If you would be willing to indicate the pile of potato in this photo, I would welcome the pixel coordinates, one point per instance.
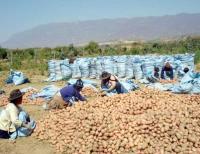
(167, 81)
(27, 96)
(144, 121)
(26, 99)
(89, 92)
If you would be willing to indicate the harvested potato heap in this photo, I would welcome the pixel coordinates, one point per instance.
(145, 121)
(167, 81)
(26, 99)
(89, 92)
(36, 101)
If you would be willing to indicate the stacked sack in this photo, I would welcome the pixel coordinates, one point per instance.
(129, 68)
(137, 68)
(92, 68)
(132, 66)
(99, 67)
(76, 73)
(108, 63)
(115, 65)
(121, 66)
(84, 64)
(59, 70)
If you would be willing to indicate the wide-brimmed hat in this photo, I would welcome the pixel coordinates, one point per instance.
(15, 94)
(105, 75)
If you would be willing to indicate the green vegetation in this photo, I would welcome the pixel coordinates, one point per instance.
(36, 58)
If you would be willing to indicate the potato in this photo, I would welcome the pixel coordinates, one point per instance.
(143, 121)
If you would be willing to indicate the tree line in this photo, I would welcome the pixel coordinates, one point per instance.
(38, 57)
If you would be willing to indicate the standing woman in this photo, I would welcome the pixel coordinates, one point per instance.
(9, 118)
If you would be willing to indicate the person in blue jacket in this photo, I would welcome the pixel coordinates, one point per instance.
(167, 72)
(71, 93)
(67, 96)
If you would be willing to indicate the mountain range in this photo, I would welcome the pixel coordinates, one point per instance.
(106, 30)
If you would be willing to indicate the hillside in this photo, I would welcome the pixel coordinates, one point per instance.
(105, 30)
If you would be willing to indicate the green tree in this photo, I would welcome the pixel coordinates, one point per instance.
(92, 48)
(3, 53)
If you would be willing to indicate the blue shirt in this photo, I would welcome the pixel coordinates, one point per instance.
(69, 91)
(168, 71)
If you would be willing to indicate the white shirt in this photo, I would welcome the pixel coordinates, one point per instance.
(9, 118)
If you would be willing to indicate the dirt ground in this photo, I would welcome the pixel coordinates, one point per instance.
(30, 144)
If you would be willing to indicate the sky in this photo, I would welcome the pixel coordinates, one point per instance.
(21, 15)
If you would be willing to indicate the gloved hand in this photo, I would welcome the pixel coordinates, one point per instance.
(70, 102)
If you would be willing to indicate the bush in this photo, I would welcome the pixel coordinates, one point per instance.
(197, 57)
(3, 53)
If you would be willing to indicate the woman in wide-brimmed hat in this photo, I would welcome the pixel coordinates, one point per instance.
(110, 83)
(9, 118)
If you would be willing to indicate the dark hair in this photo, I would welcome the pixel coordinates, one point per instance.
(79, 84)
(15, 101)
(105, 75)
(186, 69)
(156, 69)
(71, 60)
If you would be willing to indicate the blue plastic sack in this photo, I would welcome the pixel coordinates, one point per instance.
(47, 92)
(196, 86)
(76, 73)
(17, 78)
(137, 71)
(129, 68)
(161, 87)
(84, 64)
(59, 70)
(188, 77)
(183, 88)
(92, 68)
(129, 85)
(121, 66)
(66, 71)
(99, 67)
(148, 68)
(85, 82)
(190, 83)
